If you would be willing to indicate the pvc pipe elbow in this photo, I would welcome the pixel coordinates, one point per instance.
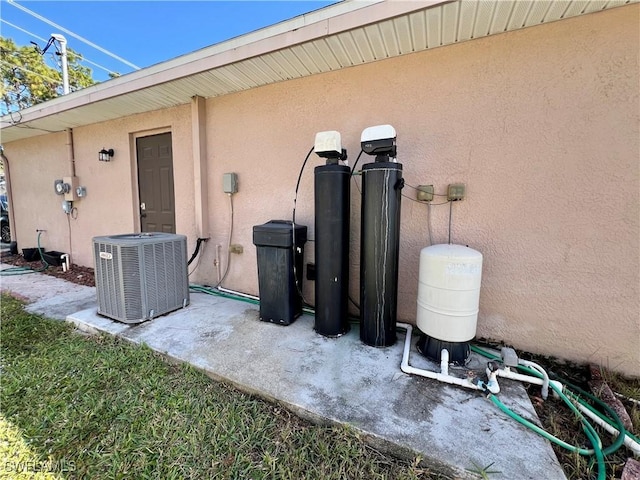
(65, 262)
(492, 385)
(408, 369)
(545, 376)
(555, 388)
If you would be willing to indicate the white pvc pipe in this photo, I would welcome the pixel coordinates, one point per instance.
(444, 376)
(506, 373)
(65, 262)
(444, 361)
(545, 376)
(629, 442)
(628, 399)
(406, 368)
(64, 60)
(239, 294)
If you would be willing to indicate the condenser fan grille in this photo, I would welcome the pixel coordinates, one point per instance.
(140, 276)
(132, 282)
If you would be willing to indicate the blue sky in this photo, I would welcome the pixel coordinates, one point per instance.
(143, 32)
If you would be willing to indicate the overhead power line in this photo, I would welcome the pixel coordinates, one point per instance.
(30, 71)
(22, 30)
(82, 57)
(94, 64)
(69, 32)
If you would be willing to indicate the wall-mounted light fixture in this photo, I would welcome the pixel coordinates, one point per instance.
(105, 155)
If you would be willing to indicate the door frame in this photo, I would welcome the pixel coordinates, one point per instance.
(135, 185)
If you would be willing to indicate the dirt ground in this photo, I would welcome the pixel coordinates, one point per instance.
(77, 274)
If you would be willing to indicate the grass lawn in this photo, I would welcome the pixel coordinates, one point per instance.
(74, 406)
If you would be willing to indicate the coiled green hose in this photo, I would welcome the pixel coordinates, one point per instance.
(569, 397)
(25, 270)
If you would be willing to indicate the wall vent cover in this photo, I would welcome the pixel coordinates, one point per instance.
(140, 276)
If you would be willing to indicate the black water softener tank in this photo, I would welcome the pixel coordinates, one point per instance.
(332, 198)
(380, 243)
(280, 250)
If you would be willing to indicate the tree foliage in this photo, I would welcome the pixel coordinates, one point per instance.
(27, 79)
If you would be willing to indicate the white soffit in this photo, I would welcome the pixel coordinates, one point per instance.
(340, 36)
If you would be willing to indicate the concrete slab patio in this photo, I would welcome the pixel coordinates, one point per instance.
(326, 380)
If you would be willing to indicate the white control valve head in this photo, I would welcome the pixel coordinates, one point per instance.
(379, 140)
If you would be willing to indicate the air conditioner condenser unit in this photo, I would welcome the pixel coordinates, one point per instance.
(140, 276)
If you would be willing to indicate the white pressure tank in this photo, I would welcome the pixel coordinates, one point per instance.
(449, 292)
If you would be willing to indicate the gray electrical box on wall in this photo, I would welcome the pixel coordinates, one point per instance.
(230, 182)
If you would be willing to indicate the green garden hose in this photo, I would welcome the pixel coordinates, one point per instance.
(569, 397)
(213, 291)
(25, 270)
(253, 301)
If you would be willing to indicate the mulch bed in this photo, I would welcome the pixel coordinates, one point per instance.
(76, 274)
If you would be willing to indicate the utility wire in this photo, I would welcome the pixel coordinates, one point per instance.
(17, 55)
(17, 125)
(81, 57)
(424, 203)
(30, 71)
(11, 113)
(416, 188)
(23, 30)
(74, 35)
(293, 228)
(41, 51)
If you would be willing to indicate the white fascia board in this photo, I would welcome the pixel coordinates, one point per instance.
(331, 20)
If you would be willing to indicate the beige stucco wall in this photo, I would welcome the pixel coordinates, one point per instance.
(542, 127)
(35, 164)
(540, 124)
(110, 206)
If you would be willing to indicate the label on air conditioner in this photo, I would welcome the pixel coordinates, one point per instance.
(106, 255)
